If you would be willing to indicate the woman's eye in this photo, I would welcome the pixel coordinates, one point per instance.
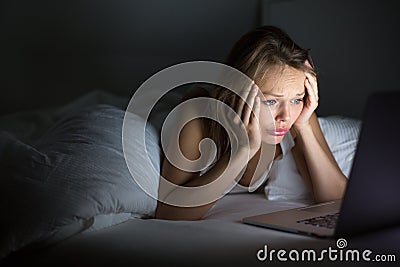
(297, 101)
(269, 102)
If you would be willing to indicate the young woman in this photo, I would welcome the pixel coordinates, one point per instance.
(284, 87)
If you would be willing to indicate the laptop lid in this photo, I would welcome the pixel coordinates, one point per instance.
(372, 196)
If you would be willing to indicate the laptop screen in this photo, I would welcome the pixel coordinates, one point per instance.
(373, 190)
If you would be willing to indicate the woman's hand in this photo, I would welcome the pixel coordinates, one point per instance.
(247, 119)
(310, 103)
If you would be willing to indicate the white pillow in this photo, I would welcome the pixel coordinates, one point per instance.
(75, 172)
(341, 134)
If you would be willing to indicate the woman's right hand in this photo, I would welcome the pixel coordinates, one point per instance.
(247, 119)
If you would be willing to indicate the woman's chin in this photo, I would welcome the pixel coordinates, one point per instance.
(272, 139)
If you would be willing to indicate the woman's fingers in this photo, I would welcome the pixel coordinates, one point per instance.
(243, 95)
(311, 84)
(256, 109)
(312, 99)
(248, 107)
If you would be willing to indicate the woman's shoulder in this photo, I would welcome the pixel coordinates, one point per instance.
(190, 137)
(198, 124)
(195, 128)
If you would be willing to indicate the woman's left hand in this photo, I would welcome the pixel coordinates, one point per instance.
(310, 102)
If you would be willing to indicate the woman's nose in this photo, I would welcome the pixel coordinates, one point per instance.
(283, 113)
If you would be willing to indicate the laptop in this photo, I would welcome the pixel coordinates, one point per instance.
(372, 194)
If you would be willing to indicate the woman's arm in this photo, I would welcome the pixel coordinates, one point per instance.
(220, 170)
(322, 172)
(221, 175)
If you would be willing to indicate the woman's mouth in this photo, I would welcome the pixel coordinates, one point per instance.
(279, 131)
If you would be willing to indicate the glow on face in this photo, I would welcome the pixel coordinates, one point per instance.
(281, 102)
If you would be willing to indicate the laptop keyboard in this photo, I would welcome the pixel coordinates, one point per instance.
(327, 221)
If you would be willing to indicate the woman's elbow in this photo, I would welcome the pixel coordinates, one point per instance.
(168, 212)
(335, 193)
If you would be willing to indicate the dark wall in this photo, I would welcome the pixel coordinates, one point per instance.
(355, 45)
(54, 51)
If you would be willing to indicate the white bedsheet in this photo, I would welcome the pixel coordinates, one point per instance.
(220, 238)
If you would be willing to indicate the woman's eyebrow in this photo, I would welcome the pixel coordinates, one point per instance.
(277, 95)
(300, 94)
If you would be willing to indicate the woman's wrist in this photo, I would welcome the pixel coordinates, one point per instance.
(246, 152)
(303, 129)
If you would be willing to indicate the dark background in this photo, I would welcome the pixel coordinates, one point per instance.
(54, 51)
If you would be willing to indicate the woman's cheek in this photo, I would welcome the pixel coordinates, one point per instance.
(298, 110)
(267, 114)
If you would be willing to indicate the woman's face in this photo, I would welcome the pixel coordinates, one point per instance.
(281, 102)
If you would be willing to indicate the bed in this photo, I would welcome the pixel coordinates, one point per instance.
(68, 198)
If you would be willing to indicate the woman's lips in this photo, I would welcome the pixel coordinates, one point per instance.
(279, 131)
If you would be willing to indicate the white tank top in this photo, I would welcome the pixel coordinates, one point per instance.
(284, 181)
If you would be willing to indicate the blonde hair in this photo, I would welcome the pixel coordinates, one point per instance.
(253, 54)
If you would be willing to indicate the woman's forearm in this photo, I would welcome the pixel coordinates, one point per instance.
(327, 180)
(221, 175)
